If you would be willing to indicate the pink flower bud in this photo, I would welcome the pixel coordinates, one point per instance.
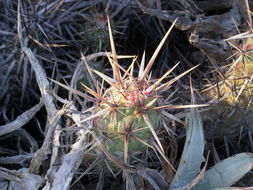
(149, 90)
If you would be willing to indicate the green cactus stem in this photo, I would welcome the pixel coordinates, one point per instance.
(128, 113)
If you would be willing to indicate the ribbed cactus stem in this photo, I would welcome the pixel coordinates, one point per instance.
(128, 113)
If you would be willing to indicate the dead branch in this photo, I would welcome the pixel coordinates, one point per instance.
(61, 179)
(39, 71)
(45, 150)
(21, 120)
(186, 19)
(53, 115)
(20, 179)
(19, 159)
(217, 51)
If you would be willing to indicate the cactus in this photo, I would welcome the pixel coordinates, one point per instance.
(129, 111)
(235, 91)
(95, 33)
(238, 86)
